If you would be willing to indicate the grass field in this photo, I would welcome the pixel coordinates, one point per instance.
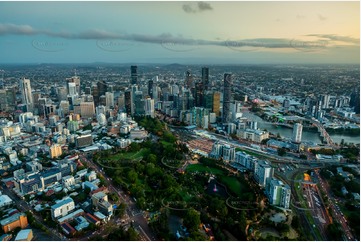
(128, 155)
(202, 168)
(233, 184)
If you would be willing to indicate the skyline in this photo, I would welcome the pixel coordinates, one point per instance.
(180, 32)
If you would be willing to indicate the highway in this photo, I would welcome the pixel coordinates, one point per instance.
(340, 218)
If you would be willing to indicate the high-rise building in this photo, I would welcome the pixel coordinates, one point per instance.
(279, 194)
(189, 80)
(75, 80)
(205, 78)
(109, 99)
(228, 153)
(226, 112)
(26, 94)
(7, 99)
(133, 75)
(149, 107)
(264, 172)
(55, 151)
(62, 93)
(87, 109)
(128, 102)
(101, 90)
(198, 97)
(138, 103)
(216, 103)
(150, 88)
(297, 133)
(355, 100)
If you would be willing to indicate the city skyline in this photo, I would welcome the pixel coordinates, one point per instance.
(180, 32)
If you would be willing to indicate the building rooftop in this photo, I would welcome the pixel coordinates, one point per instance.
(62, 203)
(23, 234)
(5, 199)
(11, 219)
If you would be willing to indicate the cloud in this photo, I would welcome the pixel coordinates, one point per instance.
(320, 17)
(300, 16)
(200, 7)
(333, 37)
(203, 6)
(322, 40)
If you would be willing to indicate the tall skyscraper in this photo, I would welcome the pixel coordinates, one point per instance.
(297, 133)
(128, 102)
(138, 103)
(198, 97)
(133, 75)
(216, 103)
(205, 78)
(226, 112)
(109, 99)
(150, 88)
(76, 84)
(149, 107)
(26, 95)
(189, 80)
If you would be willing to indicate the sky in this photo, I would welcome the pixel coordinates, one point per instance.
(180, 32)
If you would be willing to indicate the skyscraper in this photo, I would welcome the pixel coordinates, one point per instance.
(227, 98)
(150, 88)
(149, 107)
(216, 103)
(26, 95)
(189, 80)
(205, 78)
(133, 75)
(198, 94)
(297, 133)
(128, 102)
(76, 84)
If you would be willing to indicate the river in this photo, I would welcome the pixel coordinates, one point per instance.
(306, 135)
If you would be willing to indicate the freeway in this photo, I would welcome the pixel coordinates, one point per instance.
(335, 209)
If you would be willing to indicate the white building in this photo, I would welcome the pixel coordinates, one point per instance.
(62, 208)
(297, 133)
(252, 135)
(228, 153)
(26, 94)
(149, 107)
(279, 194)
(263, 172)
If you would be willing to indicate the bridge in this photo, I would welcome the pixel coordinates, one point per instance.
(323, 133)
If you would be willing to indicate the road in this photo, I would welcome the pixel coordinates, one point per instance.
(24, 207)
(133, 214)
(335, 209)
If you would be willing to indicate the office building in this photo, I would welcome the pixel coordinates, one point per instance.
(205, 78)
(109, 99)
(189, 80)
(297, 133)
(133, 75)
(55, 151)
(149, 107)
(87, 109)
(83, 141)
(226, 112)
(128, 102)
(26, 94)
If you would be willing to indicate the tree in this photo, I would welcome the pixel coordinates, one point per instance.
(281, 151)
(192, 220)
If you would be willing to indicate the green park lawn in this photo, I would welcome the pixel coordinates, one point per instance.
(128, 155)
(202, 168)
